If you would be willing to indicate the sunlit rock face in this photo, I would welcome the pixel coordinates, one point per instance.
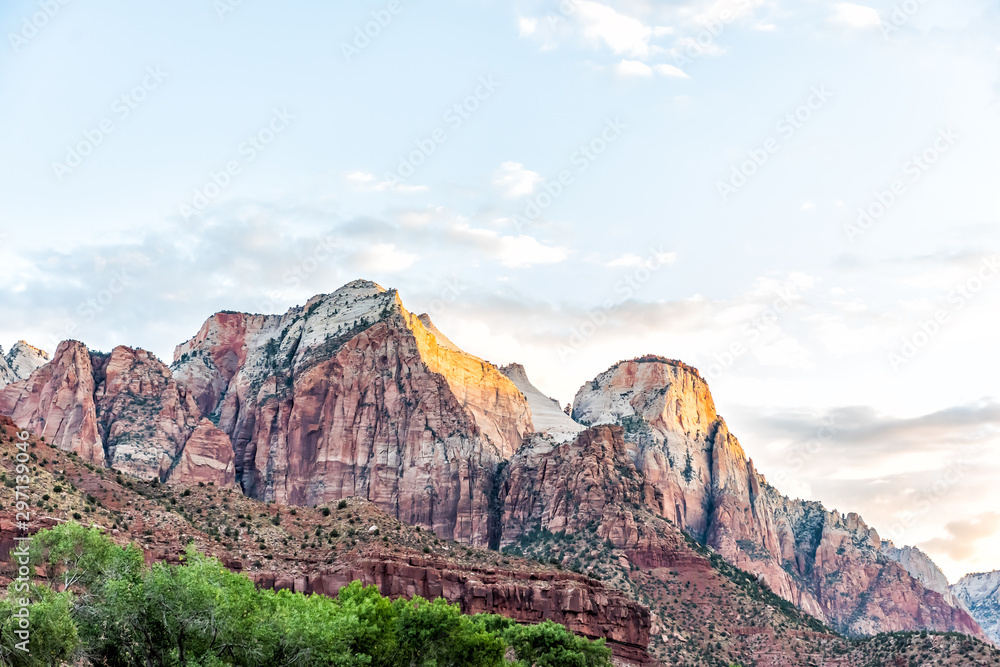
(695, 473)
(352, 395)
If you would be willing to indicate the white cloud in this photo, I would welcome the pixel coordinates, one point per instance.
(384, 257)
(527, 26)
(636, 68)
(513, 252)
(633, 68)
(516, 181)
(670, 70)
(622, 34)
(849, 15)
(366, 182)
(633, 260)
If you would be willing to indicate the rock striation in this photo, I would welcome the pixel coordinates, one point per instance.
(695, 474)
(20, 362)
(352, 395)
(981, 594)
(581, 604)
(123, 410)
(546, 415)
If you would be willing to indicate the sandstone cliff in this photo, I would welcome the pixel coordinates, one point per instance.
(981, 594)
(695, 473)
(123, 410)
(351, 395)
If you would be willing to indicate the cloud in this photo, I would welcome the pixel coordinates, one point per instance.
(850, 15)
(366, 182)
(963, 535)
(634, 261)
(513, 252)
(622, 34)
(633, 68)
(516, 181)
(628, 68)
(384, 258)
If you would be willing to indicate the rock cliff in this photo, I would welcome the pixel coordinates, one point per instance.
(20, 362)
(123, 410)
(981, 594)
(695, 474)
(351, 395)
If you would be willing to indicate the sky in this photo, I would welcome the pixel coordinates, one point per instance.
(796, 196)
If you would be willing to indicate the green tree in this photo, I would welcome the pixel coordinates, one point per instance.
(53, 633)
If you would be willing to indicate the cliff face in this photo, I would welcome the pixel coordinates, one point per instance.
(923, 569)
(581, 604)
(123, 410)
(981, 594)
(351, 395)
(696, 475)
(57, 402)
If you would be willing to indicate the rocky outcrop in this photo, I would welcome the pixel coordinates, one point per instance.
(123, 410)
(696, 474)
(351, 395)
(56, 402)
(546, 415)
(923, 569)
(981, 594)
(581, 604)
(20, 362)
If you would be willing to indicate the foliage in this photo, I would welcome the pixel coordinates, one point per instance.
(107, 608)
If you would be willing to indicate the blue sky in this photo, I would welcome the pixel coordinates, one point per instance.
(714, 157)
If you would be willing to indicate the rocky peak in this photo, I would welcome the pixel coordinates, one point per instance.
(546, 415)
(697, 476)
(922, 568)
(20, 362)
(668, 395)
(980, 592)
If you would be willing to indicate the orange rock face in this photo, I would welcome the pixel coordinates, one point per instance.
(351, 395)
(694, 472)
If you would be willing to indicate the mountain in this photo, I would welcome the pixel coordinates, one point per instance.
(353, 396)
(350, 396)
(20, 362)
(981, 594)
(706, 612)
(124, 410)
(699, 478)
